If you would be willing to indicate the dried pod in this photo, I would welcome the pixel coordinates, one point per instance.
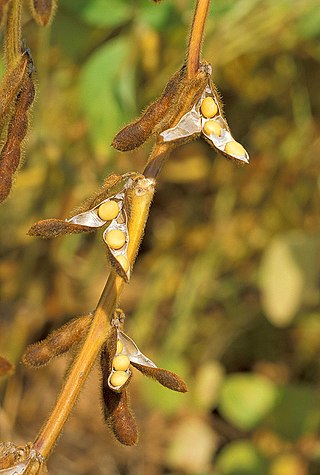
(116, 406)
(10, 85)
(6, 368)
(57, 343)
(17, 129)
(167, 378)
(43, 11)
(206, 116)
(135, 134)
(119, 417)
(24, 460)
(51, 228)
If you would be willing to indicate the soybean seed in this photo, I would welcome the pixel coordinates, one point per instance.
(119, 346)
(212, 127)
(115, 238)
(235, 148)
(123, 261)
(118, 378)
(208, 107)
(120, 363)
(108, 210)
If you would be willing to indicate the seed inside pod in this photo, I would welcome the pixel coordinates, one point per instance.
(208, 107)
(235, 148)
(121, 363)
(115, 238)
(118, 378)
(119, 346)
(212, 127)
(108, 210)
(123, 261)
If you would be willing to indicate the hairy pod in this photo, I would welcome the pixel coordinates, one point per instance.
(43, 11)
(135, 134)
(116, 406)
(57, 343)
(17, 130)
(10, 85)
(24, 460)
(167, 378)
(51, 228)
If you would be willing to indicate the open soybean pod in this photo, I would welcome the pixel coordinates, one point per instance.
(116, 405)
(206, 116)
(88, 217)
(215, 127)
(123, 245)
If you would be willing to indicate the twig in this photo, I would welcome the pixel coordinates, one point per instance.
(196, 36)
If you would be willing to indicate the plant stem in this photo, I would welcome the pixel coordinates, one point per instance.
(12, 47)
(196, 36)
(100, 326)
(51, 430)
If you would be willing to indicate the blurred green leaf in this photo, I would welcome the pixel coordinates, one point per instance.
(246, 399)
(207, 385)
(157, 16)
(240, 458)
(192, 446)
(288, 276)
(101, 13)
(103, 92)
(297, 413)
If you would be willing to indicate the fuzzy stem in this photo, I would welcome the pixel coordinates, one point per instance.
(12, 47)
(100, 326)
(196, 36)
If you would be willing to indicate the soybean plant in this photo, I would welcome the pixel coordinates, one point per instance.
(188, 108)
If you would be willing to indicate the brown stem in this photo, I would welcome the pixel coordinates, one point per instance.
(46, 439)
(12, 45)
(196, 36)
(51, 430)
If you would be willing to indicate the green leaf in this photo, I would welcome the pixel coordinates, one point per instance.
(288, 276)
(103, 94)
(101, 13)
(241, 458)
(297, 412)
(246, 399)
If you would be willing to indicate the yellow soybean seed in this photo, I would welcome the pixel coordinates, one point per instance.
(212, 127)
(123, 261)
(108, 210)
(118, 378)
(208, 107)
(235, 148)
(115, 238)
(120, 363)
(119, 346)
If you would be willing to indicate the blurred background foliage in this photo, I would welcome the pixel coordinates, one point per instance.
(226, 287)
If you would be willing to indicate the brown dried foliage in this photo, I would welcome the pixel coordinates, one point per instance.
(167, 378)
(178, 97)
(43, 11)
(135, 134)
(51, 228)
(17, 129)
(57, 343)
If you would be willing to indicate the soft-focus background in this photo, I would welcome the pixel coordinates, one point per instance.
(226, 288)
